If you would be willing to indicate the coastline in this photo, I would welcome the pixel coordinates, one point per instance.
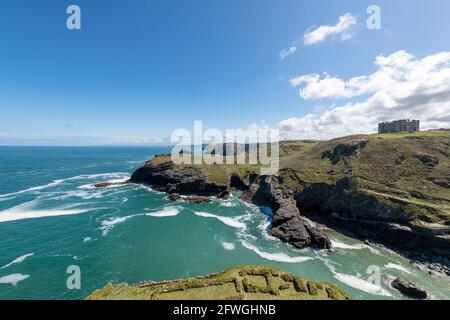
(294, 222)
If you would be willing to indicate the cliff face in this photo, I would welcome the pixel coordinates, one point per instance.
(163, 175)
(392, 188)
(287, 223)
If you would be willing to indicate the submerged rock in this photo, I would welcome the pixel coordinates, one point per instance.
(110, 184)
(193, 199)
(409, 289)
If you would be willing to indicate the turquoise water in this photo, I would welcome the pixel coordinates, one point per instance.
(52, 218)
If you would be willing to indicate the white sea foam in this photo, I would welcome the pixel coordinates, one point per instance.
(227, 204)
(361, 284)
(32, 189)
(227, 245)
(7, 198)
(263, 227)
(281, 257)
(340, 245)
(13, 279)
(54, 183)
(145, 187)
(18, 260)
(108, 225)
(343, 246)
(396, 267)
(88, 186)
(26, 211)
(87, 239)
(110, 175)
(354, 281)
(166, 212)
(232, 222)
(81, 194)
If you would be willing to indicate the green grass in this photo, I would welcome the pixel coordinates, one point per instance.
(398, 135)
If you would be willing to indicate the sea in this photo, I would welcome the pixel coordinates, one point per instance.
(54, 226)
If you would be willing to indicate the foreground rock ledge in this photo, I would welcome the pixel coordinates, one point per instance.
(235, 283)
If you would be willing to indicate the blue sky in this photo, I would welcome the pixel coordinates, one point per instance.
(139, 69)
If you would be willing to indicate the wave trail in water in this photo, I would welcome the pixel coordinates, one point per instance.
(232, 222)
(13, 279)
(108, 225)
(26, 211)
(280, 257)
(396, 267)
(18, 260)
(115, 175)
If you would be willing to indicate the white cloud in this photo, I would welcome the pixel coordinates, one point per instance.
(318, 34)
(401, 87)
(287, 52)
(344, 27)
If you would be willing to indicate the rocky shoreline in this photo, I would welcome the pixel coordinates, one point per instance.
(302, 230)
(287, 223)
(392, 191)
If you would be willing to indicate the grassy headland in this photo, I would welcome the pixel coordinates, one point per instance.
(236, 283)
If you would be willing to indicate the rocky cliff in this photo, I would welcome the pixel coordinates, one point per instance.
(287, 223)
(391, 188)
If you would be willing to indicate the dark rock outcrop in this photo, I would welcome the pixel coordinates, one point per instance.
(427, 159)
(110, 184)
(409, 289)
(287, 223)
(164, 176)
(362, 215)
(343, 150)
